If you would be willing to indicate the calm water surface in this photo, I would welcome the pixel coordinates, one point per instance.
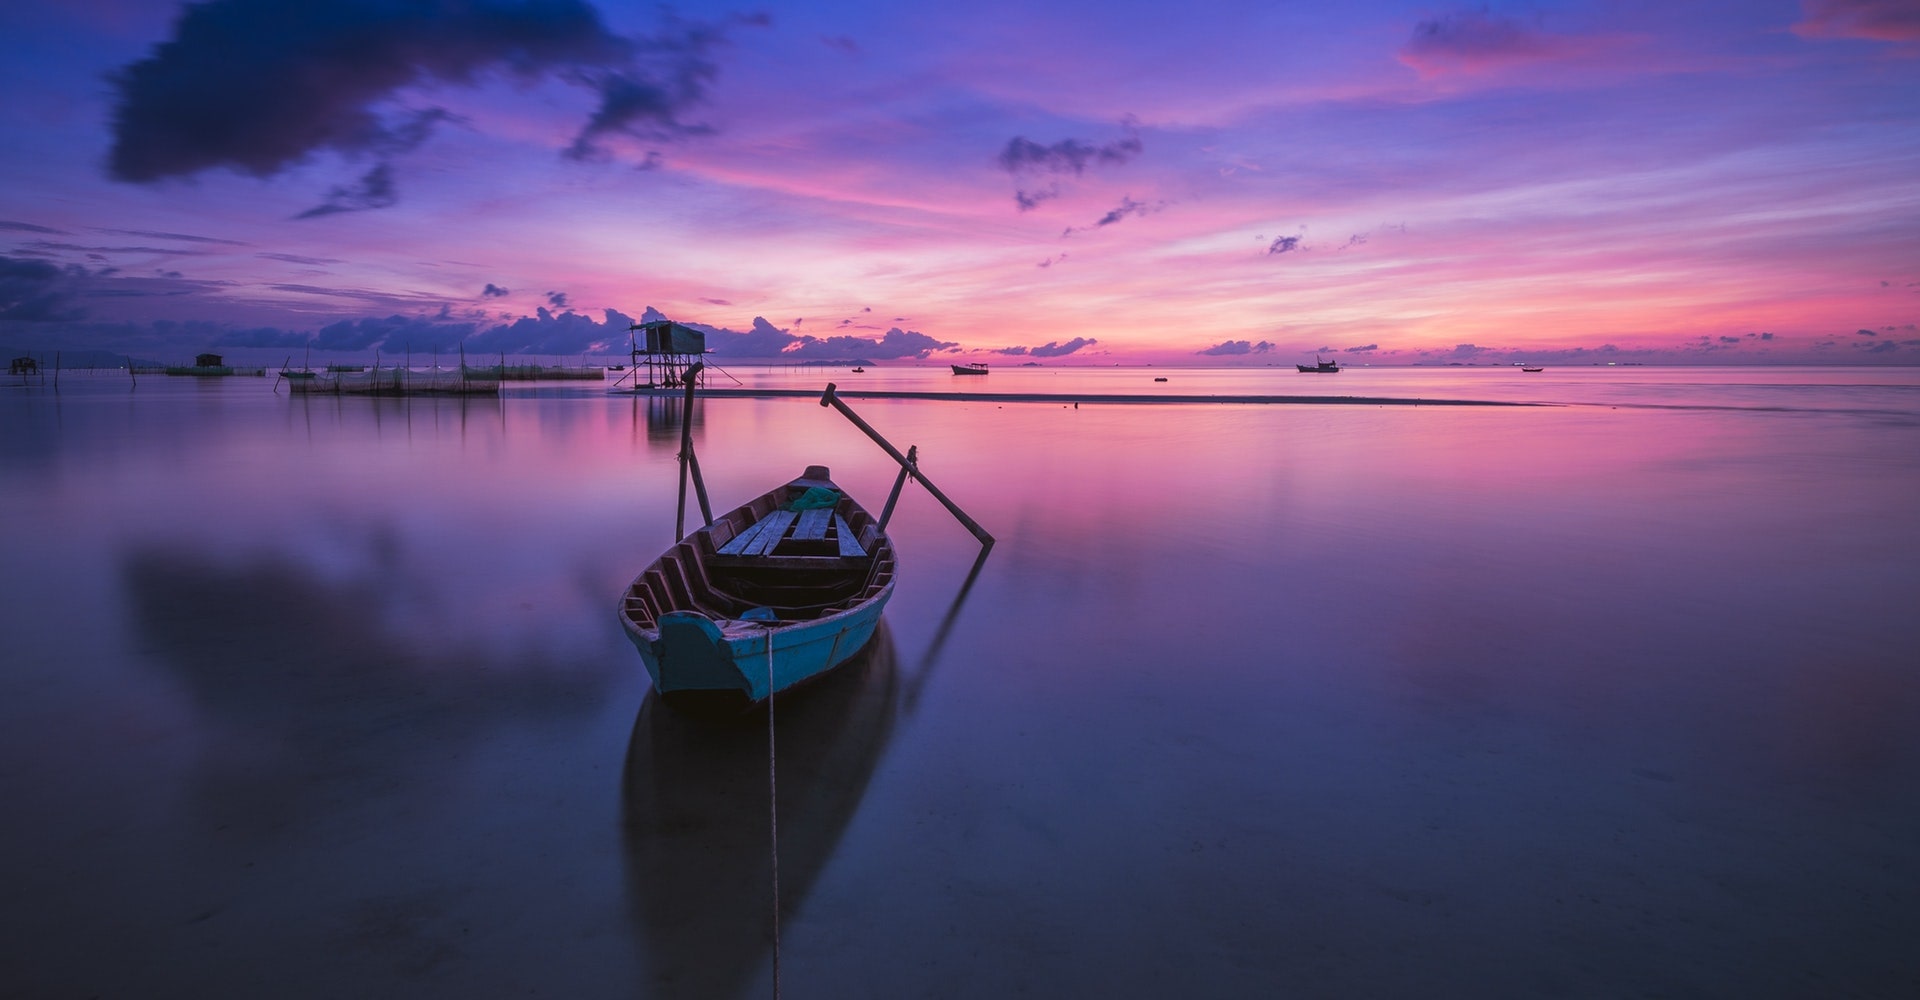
(325, 697)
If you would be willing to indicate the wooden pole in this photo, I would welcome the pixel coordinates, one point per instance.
(899, 483)
(909, 465)
(688, 461)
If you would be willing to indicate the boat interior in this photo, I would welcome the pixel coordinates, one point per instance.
(766, 562)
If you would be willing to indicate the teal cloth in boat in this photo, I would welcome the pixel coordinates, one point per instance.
(815, 498)
(758, 615)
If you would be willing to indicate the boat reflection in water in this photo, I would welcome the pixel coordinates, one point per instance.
(699, 827)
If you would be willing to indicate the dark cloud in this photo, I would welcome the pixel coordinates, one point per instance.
(1865, 333)
(1882, 347)
(257, 86)
(645, 99)
(374, 189)
(717, 302)
(1362, 349)
(1024, 157)
(558, 300)
(1228, 348)
(28, 227)
(895, 344)
(1284, 244)
(762, 340)
(1877, 20)
(1729, 340)
(1069, 156)
(1126, 207)
(390, 334)
(493, 291)
(1029, 200)
(547, 332)
(765, 340)
(35, 291)
(1053, 349)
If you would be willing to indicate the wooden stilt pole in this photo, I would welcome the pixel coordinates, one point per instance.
(688, 461)
(907, 465)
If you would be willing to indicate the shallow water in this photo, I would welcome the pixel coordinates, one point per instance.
(320, 696)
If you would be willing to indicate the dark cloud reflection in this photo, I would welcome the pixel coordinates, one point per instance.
(311, 702)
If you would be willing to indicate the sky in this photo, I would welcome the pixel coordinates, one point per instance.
(1067, 183)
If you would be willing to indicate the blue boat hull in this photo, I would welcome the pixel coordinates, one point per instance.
(719, 619)
(695, 653)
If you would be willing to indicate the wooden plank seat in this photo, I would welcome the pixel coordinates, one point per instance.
(762, 536)
(850, 547)
(812, 524)
(821, 536)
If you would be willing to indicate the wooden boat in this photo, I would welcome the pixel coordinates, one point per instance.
(978, 368)
(858, 370)
(1524, 369)
(1319, 366)
(763, 598)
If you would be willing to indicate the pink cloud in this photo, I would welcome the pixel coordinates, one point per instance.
(1879, 20)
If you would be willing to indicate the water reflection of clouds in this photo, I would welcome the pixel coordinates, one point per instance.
(311, 698)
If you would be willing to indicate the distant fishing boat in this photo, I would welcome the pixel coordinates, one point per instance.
(1525, 369)
(1320, 366)
(977, 368)
(858, 370)
(777, 591)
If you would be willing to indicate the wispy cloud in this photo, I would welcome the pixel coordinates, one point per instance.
(294, 258)
(1477, 41)
(1876, 20)
(182, 237)
(373, 190)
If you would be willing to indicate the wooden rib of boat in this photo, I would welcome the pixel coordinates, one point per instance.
(973, 369)
(763, 598)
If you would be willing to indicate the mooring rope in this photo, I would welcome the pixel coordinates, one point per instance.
(773, 807)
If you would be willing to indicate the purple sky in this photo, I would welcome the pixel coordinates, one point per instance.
(1074, 183)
